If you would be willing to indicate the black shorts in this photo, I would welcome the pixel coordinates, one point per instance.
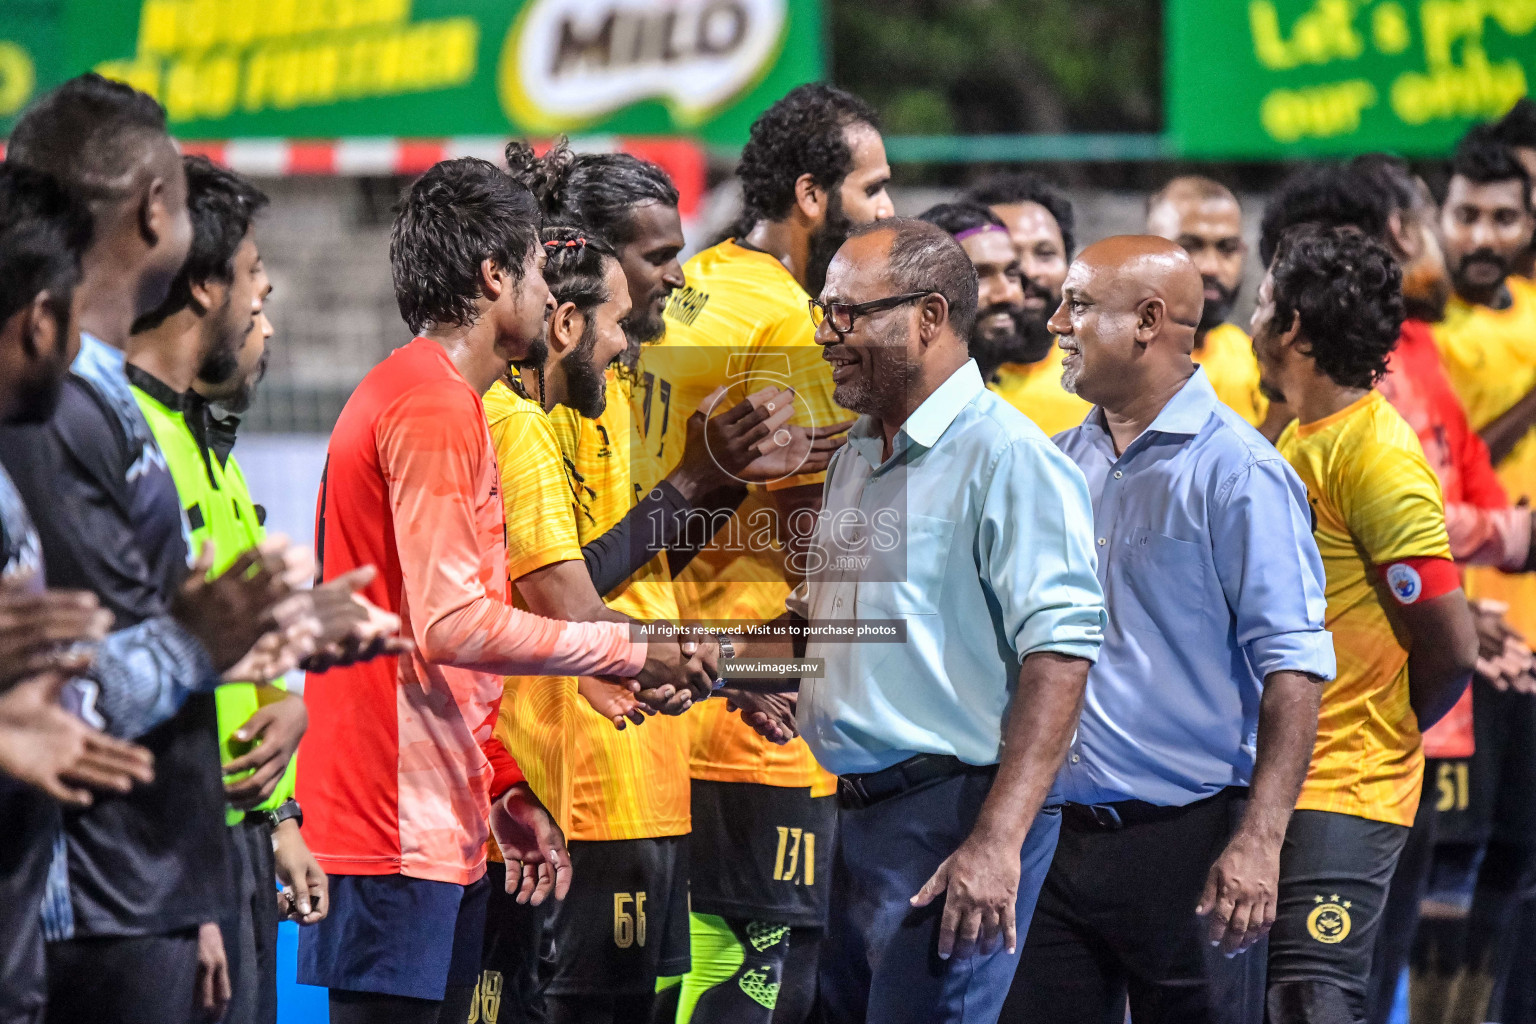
(509, 988)
(125, 979)
(762, 852)
(1334, 874)
(625, 921)
(32, 820)
(1492, 794)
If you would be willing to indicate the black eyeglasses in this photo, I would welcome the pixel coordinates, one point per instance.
(843, 314)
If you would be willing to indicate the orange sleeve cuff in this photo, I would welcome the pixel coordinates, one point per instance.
(504, 770)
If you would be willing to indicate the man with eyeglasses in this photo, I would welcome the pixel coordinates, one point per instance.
(951, 515)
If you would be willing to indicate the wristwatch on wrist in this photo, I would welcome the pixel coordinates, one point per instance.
(288, 810)
(727, 651)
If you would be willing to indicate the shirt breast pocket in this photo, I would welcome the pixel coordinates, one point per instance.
(1167, 582)
(909, 578)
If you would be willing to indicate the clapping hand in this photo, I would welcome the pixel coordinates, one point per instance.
(1503, 657)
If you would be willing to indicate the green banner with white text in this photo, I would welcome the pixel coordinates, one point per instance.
(230, 69)
(1282, 78)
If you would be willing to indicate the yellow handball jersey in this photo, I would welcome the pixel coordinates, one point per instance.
(1490, 357)
(1229, 362)
(1035, 390)
(537, 712)
(631, 784)
(1375, 501)
(742, 322)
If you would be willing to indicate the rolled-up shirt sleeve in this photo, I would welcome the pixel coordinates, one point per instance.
(1270, 570)
(1036, 552)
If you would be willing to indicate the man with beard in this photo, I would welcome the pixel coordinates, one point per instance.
(136, 876)
(1039, 220)
(1487, 341)
(946, 744)
(1329, 313)
(1517, 130)
(996, 339)
(411, 448)
(813, 168)
(1203, 216)
(200, 332)
(594, 977)
(628, 790)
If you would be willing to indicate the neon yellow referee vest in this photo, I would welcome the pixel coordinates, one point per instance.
(219, 509)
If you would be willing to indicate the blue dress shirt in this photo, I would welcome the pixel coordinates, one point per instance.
(976, 533)
(1213, 581)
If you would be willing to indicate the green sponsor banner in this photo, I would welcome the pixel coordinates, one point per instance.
(229, 69)
(1280, 78)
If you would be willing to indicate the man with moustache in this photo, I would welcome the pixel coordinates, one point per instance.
(1200, 712)
(1039, 220)
(1517, 130)
(1487, 341)
(813, 168)
(136, 875)
(1203, 216)
(1484, 528)
(997, 338)
(946, 744)
(402, 940)
(49, 758)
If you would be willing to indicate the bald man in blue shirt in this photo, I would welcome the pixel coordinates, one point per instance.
(1200, 713)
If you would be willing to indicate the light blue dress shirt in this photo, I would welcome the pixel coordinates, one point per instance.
(1213, 582)
(976, 533)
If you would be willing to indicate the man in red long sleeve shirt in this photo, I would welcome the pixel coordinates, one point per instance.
(401, 771)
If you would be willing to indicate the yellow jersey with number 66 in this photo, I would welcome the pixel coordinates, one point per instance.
(741, 322)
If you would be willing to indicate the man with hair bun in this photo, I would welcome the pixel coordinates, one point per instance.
(813, 168)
